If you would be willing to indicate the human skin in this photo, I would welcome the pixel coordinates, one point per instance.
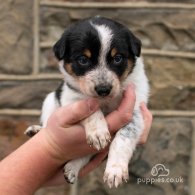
(39, 161)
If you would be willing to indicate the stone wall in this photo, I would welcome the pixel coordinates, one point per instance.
(16, 37)
(167, 31)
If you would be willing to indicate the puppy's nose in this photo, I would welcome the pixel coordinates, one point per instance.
(103, 90)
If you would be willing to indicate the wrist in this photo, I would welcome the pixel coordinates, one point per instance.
(52, 148)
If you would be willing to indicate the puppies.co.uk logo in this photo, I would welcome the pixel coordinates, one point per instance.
(160, 175)
(159, 170)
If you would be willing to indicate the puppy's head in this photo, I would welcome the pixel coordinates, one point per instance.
(97, 55)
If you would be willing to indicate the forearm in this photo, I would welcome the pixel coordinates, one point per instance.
(26, 169)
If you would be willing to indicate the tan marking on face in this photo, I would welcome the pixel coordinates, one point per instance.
(68, 68)
(85, 85)
(128, 70)
(113, 52)
(82, 84)
(87, 53)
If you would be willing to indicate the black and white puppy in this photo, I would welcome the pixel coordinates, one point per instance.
(99, 58)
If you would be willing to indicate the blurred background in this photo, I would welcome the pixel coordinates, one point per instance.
(28, 71)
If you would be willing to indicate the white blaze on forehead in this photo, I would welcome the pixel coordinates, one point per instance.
(105, 35)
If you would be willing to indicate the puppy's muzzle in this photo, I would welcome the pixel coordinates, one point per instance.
(103, 90)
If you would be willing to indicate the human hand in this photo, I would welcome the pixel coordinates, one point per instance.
(115, 121)
(69, 142)
(66, 137)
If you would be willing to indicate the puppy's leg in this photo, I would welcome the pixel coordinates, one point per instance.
(32, 130)
(97, 135)
(72, 168)
(121, 151)
(96, 129)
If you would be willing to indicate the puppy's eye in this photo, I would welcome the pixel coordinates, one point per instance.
(118, 59)
(83, 61)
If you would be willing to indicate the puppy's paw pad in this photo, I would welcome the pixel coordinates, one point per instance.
(69, 174)
(99, 139)
(32, 130)
(115, 175)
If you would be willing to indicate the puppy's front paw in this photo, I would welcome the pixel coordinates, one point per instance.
(98, 138)
(96, 129)
(70, 174)
(32, 130)
(115, 174)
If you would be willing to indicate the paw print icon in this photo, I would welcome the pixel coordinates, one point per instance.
(159, 170)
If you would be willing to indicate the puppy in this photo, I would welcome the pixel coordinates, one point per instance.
(99, 58)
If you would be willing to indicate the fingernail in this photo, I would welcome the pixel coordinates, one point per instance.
(132, 86)
(93, 104)
(142, 106)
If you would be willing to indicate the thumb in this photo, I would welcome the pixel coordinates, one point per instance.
(76, 112)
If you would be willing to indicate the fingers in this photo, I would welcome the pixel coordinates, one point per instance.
(76, 112)
(147, 116)
(94, 163)
(123, 114)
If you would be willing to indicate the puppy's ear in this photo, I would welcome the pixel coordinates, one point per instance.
(134, 44)
(60, 48)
